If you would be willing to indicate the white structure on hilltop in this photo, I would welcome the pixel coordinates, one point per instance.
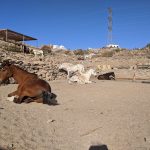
(59, 47)
(112, 46)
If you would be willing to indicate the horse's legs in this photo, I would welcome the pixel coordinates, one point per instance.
(81, 82)
(68, 75)
(20, 95)
(69, 82)
(13, 93)
(28, 100)
(88, 81)
(18, 100)
(39, 100)
(81, 71)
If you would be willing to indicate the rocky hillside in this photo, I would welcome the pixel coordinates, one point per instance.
(124, 63)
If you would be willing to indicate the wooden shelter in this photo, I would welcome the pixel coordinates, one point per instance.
(7, 34)
(16, 38)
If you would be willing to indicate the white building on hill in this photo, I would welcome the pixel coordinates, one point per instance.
(112, 46)
(59, 47)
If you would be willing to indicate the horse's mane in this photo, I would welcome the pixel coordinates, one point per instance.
(22, 70)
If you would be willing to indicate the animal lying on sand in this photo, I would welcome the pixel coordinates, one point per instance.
(30, 88)
(107, 76)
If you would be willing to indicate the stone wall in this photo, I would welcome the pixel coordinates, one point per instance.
(47, 67)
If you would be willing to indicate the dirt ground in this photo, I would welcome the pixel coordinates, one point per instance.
(114, 113)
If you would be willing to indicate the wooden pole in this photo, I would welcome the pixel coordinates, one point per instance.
(23, 39)
(23, 44)
(6, 36)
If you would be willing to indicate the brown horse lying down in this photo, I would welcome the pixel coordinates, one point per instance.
(107, 76)
(30, 88)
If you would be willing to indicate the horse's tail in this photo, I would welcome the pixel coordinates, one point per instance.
(49, 98)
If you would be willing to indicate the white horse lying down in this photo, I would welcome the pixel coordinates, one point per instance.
(71, 68)
(83, 78)
(38, 52)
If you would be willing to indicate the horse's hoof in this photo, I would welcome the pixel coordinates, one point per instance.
(16, 101)
(28, 100)
(9, 95)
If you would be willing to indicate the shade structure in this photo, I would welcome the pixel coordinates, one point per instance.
(8, 34)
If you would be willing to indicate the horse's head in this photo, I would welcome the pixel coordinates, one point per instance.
(5, 71)
(93, 72)
(62, 67)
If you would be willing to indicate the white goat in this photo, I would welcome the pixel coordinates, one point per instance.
(83, 78)
(71, 68)
(38, 52)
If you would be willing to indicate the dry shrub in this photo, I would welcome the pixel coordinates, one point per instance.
(68, 52)
(79, 52)
(47, 48)
(107, 54)
(117, 50)
(89, 51)
(12, 48)
(96, 56)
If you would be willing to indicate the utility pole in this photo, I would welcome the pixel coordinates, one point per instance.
(109, 25)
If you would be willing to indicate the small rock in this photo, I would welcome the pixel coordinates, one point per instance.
(50, 120)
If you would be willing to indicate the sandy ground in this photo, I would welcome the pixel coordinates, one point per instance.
(114, 113)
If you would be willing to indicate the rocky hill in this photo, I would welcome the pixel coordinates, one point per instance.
(124, 63)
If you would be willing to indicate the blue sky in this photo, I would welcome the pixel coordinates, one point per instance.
(78, 23)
